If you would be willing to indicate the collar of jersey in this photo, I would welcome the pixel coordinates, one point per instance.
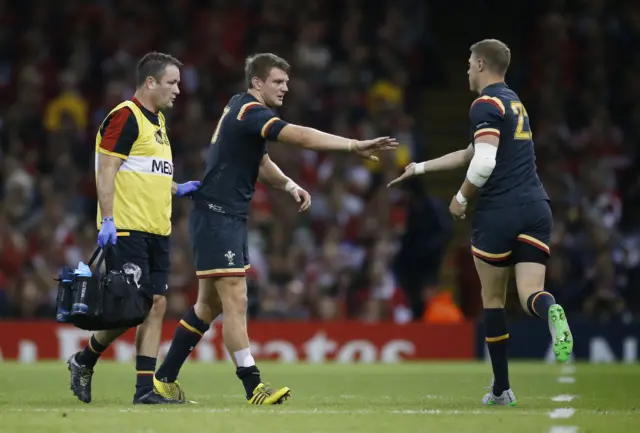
(150, 115)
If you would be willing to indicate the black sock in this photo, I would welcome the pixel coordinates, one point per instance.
(145, 367)
(539, 303)
(185, 339)
(250, 377)
(91, 352)
(497, 337)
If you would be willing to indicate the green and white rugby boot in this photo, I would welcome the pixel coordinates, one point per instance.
(560, 333)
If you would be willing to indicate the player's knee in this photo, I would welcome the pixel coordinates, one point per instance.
(493, 298)
(208, 305)
(204, 311)
(210, 301)
(158, 308)
(237, 304)
(234, 297)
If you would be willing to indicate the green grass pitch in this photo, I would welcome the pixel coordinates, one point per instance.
(353, 398)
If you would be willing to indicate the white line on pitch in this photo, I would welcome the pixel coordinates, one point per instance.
(563, 397)
(564, 429)
(568, 369)
(440, 412)
(311, 411)
(562, 413)
(567, 379)
(265, 410)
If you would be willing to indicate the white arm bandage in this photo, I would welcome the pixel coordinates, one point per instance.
(482, 164)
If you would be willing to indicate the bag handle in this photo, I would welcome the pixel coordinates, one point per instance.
(95, 254)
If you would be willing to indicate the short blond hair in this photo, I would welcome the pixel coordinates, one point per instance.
(496, 54)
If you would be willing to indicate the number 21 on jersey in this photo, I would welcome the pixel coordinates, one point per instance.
(523, 132)
(217, 131)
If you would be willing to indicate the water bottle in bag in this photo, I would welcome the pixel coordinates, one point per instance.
(82, 276)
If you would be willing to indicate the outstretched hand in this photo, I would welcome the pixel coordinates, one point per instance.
(409, 170)
(300, 195)
(368, 148)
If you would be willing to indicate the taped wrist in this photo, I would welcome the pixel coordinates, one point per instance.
(290, 186)
(461, 198)
(482, 164)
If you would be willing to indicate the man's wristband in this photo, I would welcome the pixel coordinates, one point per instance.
(105, 219)
(419, 168)
(461, 199)
(290, 186)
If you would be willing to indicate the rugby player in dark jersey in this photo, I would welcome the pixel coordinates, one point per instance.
(237, 158)
(512, 223)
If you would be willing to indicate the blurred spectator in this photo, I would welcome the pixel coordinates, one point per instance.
(68, 102)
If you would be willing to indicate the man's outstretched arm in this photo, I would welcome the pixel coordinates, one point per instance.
(258, 119)
(450, 161)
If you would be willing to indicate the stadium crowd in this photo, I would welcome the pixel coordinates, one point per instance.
(584, 83)
(340, 259)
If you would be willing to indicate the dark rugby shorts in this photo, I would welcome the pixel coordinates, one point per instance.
(514, 234)
(151, 253)
(219, 243)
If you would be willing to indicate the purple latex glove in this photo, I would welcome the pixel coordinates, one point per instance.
(107, 232)
(187, 188)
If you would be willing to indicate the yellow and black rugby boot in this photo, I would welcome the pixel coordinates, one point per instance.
(170, 391)
(264, 395)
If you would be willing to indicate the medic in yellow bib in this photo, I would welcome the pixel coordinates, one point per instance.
(134, 179)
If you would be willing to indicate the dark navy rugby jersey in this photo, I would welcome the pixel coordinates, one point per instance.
(498, 111)
(236, 150)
